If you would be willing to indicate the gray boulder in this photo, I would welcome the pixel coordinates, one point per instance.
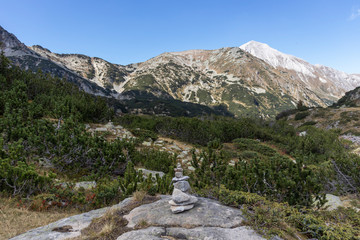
(199, 233)
(206, 213)
(77, 223)
(207, 220)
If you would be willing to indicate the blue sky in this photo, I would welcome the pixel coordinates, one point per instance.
(320, 31)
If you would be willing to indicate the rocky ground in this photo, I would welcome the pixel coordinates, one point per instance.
(181, 149)
(345, 119)
(207, 220)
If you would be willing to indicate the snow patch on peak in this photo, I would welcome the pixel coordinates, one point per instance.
(276, 58)
(322, 80)
(258, 90)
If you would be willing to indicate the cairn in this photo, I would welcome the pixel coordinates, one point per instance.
(181, 199)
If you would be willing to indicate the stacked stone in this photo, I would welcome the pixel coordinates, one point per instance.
(181, 199)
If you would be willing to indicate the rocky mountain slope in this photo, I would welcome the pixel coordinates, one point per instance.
(344, 116)
(320, 78)
(227, 76)
(351, 98)
(97, 70)
(253, 80)
(230, 76)
(26, 58)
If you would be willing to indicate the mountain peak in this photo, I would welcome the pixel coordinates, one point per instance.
(39, 48)
(304, 70)
(254, 43)
(11, 45)
(276, 58)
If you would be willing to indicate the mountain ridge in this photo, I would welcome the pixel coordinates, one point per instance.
(28, 59)
(285, 61)
(240, 79)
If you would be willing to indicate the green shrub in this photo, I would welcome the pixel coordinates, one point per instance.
(16, 176)
(279, 219)
(155, 160)
(301, 115)
(310, 123)
(282, 179)
(108, 192)
(248, 155)
(286, 113)
(253, 145)
(144, 134)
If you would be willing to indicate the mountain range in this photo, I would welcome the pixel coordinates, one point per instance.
(251, 80)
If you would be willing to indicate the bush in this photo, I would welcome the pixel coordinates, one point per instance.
(144, 134)
(286, 113)
(16, 176)
(155, 160)
(310, 123)
(301, 115)
(107, 193)
(260, 169)
(279, 219)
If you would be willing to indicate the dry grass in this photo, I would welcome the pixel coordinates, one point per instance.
(109, 226)
(142, 224)
(15, 220)
(112, 224)
(139, 196)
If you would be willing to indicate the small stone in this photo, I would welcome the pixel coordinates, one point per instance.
(175, 179)
(147, 144)
(192, 201)
(183, 186)
(179, 209)
(101, 129)
(178, 174)
(179, 197)
(86, 185)
(66, 228)
(191, 168)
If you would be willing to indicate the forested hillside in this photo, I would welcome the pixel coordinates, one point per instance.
(276, 177)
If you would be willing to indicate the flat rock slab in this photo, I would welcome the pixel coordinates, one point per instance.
(77, 222)
(199, 233)
(179, 209)
(151, 233)
(206, 213)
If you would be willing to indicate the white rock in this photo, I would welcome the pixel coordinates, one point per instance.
(179, 209)
(147, 144)
(101, 129)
